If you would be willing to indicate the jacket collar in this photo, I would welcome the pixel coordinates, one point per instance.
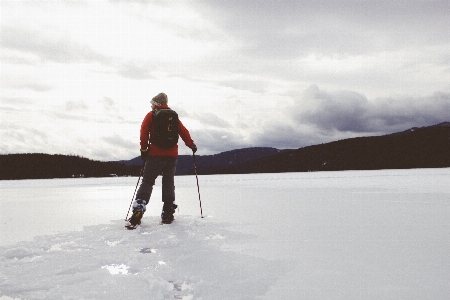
(162, 107)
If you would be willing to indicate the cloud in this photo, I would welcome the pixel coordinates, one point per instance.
(209, 119)
(411, 111)
(115, 147)
(108, 104)
(217, 140)
(24, 84)
(61, 116)
(76, 106)
(246, 66)
(341, 111)
(291, 29)
(256, 85)
(321, 116)
(23, 139)
(118, 142)
(281, 136)
(21, 101)
(134, 70)
(56, 49)
(347, 111)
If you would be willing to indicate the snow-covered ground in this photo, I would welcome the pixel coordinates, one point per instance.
(326, 235)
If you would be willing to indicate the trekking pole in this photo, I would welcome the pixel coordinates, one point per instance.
(140, 175)
(198, 187)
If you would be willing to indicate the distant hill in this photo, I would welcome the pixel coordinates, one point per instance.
(208, 163)
(426, 147)
(40, 166)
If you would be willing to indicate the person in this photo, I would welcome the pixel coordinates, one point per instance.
(159, 150)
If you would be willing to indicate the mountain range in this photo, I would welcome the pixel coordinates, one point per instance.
(426, 147)
(206, 164)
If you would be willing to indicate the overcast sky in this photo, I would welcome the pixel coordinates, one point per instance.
(77, 77)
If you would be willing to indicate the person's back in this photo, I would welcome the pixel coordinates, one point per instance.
(165, 124)
(159, 150)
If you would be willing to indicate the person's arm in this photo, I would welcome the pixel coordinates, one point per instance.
(145, 134)
(186, 137)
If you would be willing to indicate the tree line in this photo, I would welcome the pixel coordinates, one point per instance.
(42, 166)
(426, 147)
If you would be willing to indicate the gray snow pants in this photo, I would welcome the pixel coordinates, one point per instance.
(154, 167)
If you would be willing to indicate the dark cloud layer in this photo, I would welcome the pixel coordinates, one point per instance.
(320, 116)
(290, 29)
(346, 111)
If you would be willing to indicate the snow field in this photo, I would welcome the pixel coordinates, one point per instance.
(326, 235)
(178, 261)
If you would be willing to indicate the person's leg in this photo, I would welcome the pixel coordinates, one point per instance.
(153, 167)
(168, 189)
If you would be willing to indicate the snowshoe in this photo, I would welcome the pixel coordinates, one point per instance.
(131, 227)
(167, 213)
(139, 208)
(167, 219)
(135, 219)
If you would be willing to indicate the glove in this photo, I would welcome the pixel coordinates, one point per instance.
(144, 154)
(194, 148)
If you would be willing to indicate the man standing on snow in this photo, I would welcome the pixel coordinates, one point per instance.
(160, 153)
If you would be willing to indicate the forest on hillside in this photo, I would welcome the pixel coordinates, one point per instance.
(426, 147)
(40, 166)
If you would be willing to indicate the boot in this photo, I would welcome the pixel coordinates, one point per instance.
(136, 218)
(167, 213)
(139, 208)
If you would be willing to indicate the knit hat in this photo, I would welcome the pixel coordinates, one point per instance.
(160, 99)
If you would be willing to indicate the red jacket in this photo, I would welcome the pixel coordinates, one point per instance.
(147, 130)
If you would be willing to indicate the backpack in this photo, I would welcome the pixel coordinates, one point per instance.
(165, 123)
